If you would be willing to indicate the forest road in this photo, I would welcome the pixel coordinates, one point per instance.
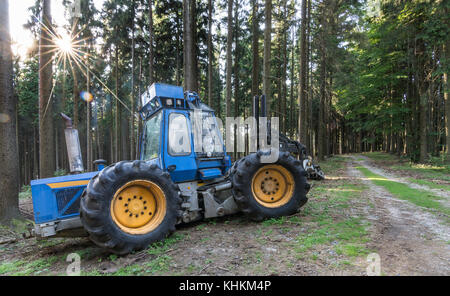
(409, 239)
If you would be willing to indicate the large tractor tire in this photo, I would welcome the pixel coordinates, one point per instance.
(269, 190)
(130, 205)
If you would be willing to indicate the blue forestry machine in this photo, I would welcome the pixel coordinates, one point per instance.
(130, 204)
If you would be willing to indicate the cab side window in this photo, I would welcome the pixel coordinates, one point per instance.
(179, 136)
(152, 137)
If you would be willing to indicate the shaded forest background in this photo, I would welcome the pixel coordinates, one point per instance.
(343, 76)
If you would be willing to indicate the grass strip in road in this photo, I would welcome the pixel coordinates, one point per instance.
(430, 184)
(426, 171)
(402, 191)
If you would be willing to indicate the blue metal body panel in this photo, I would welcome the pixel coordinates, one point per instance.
(58, 198)
(208, 174)
(186, 166)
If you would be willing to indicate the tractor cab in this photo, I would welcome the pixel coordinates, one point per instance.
(181, 135)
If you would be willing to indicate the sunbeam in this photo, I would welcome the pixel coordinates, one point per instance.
(67, 48)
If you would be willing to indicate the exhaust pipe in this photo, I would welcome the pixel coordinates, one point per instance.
(73, 146)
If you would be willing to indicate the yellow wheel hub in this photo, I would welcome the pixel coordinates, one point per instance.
(273, 186)
(138, 207)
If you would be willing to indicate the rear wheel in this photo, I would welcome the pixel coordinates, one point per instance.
(269, 190)
(129, 205)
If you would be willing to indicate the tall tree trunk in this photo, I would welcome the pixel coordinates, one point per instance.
(267, 54)
(139, 128)
(422, 86)
(255, 50)
(194, 51)
(35, 152)
(292, 122)
(9, 157)
(308, 83)
(117, 109)
(321, 124)
(236, 73)
(446, 53)
(210, 53)
(302, 85)
(229, 58)
(132, 143)
(46, 130)
(423, 124)
(150, 41)
(89, 151)
(185, 37)
(191, 63)
(177, 58)
(284, 68)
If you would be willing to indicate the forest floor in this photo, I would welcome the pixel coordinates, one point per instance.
(369, 203)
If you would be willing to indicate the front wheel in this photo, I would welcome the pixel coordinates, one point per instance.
(129, 205)
(269, 190)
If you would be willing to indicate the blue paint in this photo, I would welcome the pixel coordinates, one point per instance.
(190, 166)
(45, 199)
(208, 174)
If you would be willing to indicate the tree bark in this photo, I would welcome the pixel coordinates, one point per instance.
(150, 41)
(302, 85)
(322, 50)
(283, 93)
(210, 53)
(236, 73)
(446, 53)
(132, 121)
(190, 68)
(46, 130)
(9, 158)
(229, 58)
(291, 105)
(267, 54)
(117, 109)
(89, 157)
(308, 84)
(255, 50)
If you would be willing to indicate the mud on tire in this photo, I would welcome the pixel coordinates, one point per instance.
(243, 175)
(95, 206)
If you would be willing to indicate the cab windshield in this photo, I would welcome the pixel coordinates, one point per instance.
(207, 136)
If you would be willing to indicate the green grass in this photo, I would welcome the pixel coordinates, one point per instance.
(351, 230)
(435, 169)
(158, 265)
(129, 270)
(20, 267)
(426, 171)
(351, 250)
(161, 247)
(430, 184)
(348, 235)
(8, 267)
(402, 191)
(50, 242)
(113, 257)
(381, 156)
(59, 173)
(332, 164)
(295, 220)
(25, 192)
(91, 273)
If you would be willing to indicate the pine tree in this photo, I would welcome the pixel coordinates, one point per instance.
(9, 158)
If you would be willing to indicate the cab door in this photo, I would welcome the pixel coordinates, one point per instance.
(179, 156)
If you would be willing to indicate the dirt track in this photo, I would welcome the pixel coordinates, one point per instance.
(409, 239)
